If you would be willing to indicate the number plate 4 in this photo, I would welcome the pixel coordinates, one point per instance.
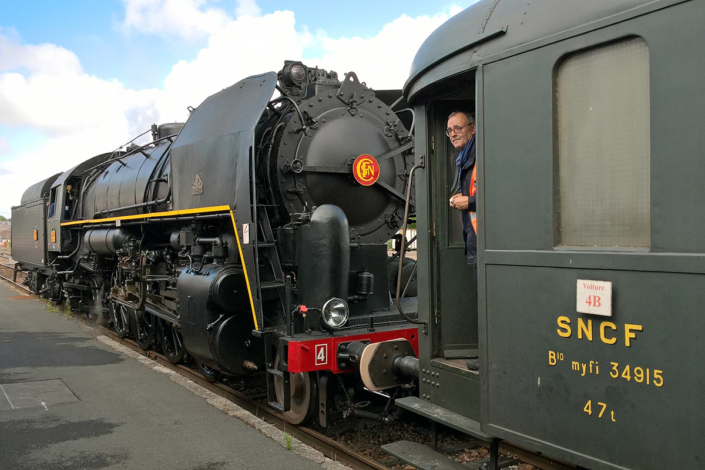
(321, 354)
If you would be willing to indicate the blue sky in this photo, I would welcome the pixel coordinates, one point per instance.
(81, 77)
(91, 29)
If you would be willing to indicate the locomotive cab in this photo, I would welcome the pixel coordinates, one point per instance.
(29, 232)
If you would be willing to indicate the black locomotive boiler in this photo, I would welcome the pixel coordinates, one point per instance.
(252, 239)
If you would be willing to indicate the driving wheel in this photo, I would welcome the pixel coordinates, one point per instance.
(144, 329)
(120, 318)
(208, 372)
(170, 340)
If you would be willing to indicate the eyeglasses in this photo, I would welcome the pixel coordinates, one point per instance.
(456, 129)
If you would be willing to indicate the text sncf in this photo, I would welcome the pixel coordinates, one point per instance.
(605, 331)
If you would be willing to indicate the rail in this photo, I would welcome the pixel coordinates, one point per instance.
(15, 284)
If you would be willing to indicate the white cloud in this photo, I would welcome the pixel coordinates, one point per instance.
(55, 156)
(79, 115)
(46, 57)
(247, 8)
(186, 18)
(67, 102)
(44, 87)
(382, 61)
(232, 55)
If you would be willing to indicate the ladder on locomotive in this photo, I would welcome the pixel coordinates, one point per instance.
(273, 277)
(270, 276)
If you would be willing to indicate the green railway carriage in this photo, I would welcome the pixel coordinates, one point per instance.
(591, 276)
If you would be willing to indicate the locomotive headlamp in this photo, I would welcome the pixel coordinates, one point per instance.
(335, 313)
(298, 73)
(294, 74)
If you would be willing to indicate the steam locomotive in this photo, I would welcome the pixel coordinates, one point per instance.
(251, 240)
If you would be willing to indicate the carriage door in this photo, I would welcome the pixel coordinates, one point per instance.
(455, 297)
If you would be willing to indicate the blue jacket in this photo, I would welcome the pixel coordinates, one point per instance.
(465, 167)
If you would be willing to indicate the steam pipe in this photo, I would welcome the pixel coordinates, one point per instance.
(371, 416)
(75, 266)
(217, 241)
(284, 96)
(413, 118)
(135, 206)
(111, 160)
(78, 247)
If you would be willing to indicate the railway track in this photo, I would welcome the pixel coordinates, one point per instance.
(7, 264)
(329, 447)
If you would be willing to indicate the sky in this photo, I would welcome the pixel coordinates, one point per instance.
(82, 77)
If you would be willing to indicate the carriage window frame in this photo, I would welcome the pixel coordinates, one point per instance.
(602, 148)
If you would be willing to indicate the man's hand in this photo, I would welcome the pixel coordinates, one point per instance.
(459, 202)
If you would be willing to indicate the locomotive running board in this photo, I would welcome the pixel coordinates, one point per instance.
(424, 458)
(445, 417)
(440, 415)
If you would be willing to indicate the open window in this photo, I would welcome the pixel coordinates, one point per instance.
(52, 202)
(70, 195)
(455, 337)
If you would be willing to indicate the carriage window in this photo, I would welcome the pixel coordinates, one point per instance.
(602, 111)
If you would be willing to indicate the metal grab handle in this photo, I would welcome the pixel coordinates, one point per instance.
(403, 242)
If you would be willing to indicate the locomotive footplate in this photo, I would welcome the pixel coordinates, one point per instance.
(317, 351)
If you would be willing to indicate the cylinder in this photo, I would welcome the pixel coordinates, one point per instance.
(365, 283)
(174, 241)
(105, 241)
(207, 299)
(227, 289)
(324, 259)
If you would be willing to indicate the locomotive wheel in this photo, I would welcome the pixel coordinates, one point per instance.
(209, 373)
(170, 340)
(120, 317)
(304, 395)
(144, 329)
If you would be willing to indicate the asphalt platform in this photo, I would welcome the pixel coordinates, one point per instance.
(71, 399)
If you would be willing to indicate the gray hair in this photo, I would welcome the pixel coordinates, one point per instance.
(471, 118)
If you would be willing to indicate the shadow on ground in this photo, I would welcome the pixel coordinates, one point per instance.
(28, 349)
(27, 444)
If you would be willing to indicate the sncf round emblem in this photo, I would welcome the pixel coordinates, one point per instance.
(366, 170)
